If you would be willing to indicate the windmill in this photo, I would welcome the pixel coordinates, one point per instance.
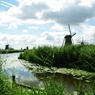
(68, 38)
(7, 46)
(83, 42)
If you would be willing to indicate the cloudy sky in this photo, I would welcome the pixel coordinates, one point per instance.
(45, 22)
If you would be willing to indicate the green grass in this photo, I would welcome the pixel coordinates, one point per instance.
(74, 56)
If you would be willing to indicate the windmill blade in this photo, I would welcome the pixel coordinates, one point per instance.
(74, 34)
(7, 43)
(69, 29)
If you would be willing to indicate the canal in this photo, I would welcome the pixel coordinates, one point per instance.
(14, 66)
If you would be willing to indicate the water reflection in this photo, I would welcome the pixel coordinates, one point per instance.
(13, 65)
(68, 81)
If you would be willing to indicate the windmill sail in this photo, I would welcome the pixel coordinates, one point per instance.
(69, 29)
(73, 34)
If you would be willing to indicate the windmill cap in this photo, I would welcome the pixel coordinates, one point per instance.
(68, 36)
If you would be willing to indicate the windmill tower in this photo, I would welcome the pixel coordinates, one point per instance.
(7, 46)
(68, 38)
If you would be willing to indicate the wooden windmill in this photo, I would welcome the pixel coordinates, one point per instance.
(68, 38)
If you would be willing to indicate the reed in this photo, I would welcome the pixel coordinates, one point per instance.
(74, 56)
(51, 88)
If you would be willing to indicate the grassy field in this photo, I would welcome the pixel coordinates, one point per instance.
(75, 56)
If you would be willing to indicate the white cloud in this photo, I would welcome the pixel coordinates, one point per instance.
(4, 18)
(57, 27)
(59, 12)
(25, 31)
(87, 3)
(71, 14)
(12, 25)
(88, 34)
(29, 10)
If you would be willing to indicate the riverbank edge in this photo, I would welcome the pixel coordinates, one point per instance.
(77, 74)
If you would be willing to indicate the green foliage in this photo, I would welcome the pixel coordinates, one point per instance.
(73, 56)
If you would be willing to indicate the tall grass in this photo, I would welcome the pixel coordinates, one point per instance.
(42, 55)
(74, 56)
(80, 57)
(51, 88)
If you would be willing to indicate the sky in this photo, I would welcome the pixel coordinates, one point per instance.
(36, 23)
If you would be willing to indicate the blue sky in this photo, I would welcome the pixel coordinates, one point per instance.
(45, 22)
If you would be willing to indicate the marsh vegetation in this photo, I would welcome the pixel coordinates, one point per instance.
(81, 57)
(74, 61)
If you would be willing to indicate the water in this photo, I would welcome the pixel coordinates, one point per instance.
(13, 66)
